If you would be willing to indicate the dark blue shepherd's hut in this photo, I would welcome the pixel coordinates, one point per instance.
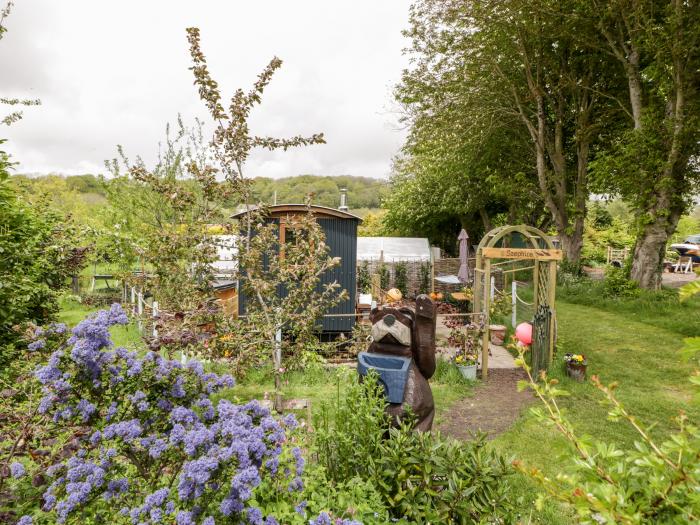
(340, 228)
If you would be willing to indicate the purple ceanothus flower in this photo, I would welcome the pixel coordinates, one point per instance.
(17, 470)
(153, 416)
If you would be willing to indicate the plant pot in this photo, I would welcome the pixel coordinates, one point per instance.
(576, 371)
(498, 334)
(468, 371)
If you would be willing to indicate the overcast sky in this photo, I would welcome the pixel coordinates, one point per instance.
(115, 72)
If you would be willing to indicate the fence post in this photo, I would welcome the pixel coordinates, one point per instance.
(493, 286)
(514, 303)
(155, 316)
(139, 309)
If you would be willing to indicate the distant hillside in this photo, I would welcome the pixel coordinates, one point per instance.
(363, 192)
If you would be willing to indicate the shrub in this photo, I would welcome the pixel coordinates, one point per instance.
(425, 275)
(38, 254)
(364, 283)
(421, 477)
(618, 284)
(401, 277)
(384, 276)
(150, 443)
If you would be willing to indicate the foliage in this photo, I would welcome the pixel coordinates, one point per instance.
(364, 281)
(425, 277)
(654, 482)
(373, 225)
(164, 214)
(401, 277)
(384, 276)
(648, 162)
(618, 284)
(363, 192)
(421, 476)
(503, 117)
(39, 252)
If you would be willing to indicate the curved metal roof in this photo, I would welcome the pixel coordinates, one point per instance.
(320, 211)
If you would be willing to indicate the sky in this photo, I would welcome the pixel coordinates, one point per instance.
(111, 73)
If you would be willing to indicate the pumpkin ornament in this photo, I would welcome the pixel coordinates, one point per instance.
(394, 295)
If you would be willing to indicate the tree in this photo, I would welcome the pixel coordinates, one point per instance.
(652, 162)
(281, 279)
(39, 252)
(499, 85)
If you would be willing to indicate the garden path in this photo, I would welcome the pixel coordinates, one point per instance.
(493, 408)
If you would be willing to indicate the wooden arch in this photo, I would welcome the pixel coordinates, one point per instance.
(544, 255)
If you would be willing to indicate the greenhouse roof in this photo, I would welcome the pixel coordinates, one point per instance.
(393, 248)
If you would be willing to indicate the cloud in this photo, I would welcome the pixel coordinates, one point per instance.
(115, 73)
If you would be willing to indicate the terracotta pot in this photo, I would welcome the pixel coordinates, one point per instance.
(576, 371)
(498, 334)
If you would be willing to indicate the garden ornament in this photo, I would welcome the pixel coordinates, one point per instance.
(523, 333)
(394, 295)
(402, 352)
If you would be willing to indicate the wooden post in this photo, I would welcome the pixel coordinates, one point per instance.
(155, 316)
(536, 286)
(551, 297)
(485, 308)
(478, 272)
(139, 309)
(514, 303)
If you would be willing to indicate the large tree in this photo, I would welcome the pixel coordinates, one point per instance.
(507, 81)
(652, 163)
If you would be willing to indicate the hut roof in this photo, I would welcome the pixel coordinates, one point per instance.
(283, 209)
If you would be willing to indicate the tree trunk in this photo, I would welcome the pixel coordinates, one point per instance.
(650, 249)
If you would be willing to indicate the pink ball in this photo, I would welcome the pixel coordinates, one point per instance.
(523, 333)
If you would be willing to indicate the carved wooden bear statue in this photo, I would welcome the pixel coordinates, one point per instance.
(403, 332)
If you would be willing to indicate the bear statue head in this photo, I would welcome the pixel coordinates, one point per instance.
(392, 329)
(406, 332)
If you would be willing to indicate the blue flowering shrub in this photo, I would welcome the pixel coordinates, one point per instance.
(151, 447)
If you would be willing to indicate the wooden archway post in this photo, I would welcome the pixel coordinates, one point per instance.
(542, 252)
(486, 309)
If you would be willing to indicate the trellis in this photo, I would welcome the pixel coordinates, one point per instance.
(540, 250)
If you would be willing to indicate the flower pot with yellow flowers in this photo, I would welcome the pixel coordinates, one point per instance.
(467, 363)
(576, 366)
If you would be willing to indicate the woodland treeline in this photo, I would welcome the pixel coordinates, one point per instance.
(519, 111)
(85, 195)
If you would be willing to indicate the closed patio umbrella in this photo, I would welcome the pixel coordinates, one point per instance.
(463, 273)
